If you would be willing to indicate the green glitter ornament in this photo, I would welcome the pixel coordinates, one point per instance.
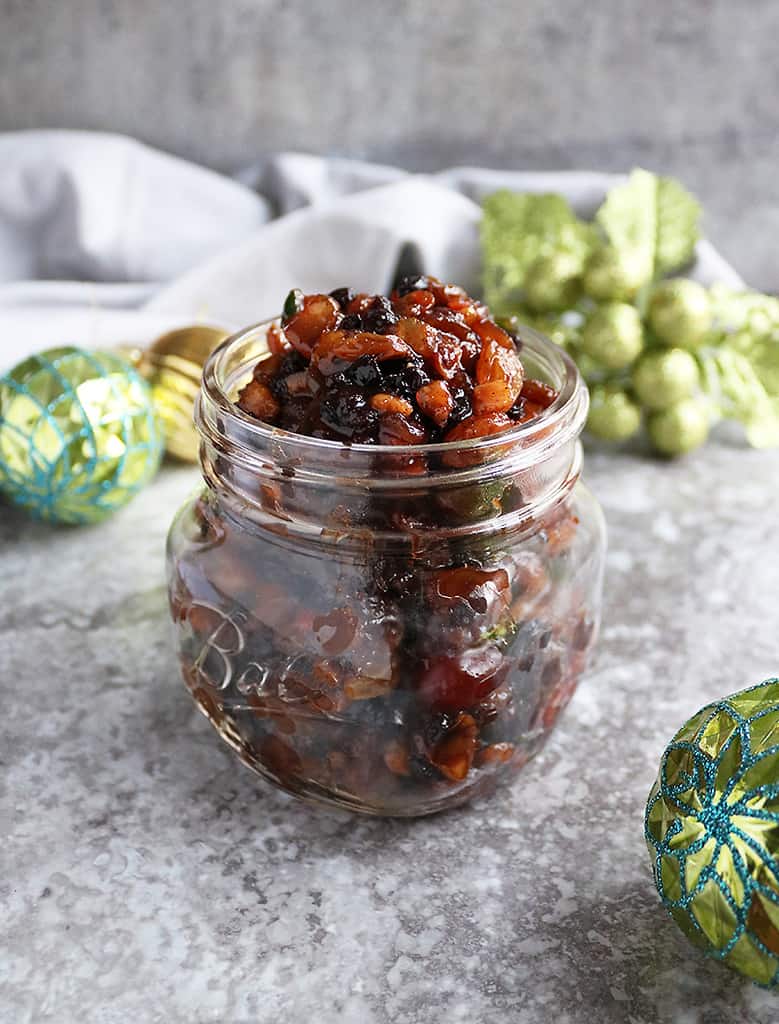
(78, 434)
(665, 376)
(552, 282)
(613, 335)
(611, 275)
(680, 313)
(712, 828)
(681, 428)
(613, 415)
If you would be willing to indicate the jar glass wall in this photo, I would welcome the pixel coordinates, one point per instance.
(392, 630)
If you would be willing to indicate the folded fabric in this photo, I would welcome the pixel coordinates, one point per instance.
(105, 241)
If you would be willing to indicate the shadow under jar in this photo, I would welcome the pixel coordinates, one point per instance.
(389, 629)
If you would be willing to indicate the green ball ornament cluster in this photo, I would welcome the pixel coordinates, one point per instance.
(680, 313)
(613, 276)
(665, 376)
(712, 829)
(644, 372)
(613, 415)
(613, 335)
(79, 436)
(552, 282)
(681, 428)
(661, 353)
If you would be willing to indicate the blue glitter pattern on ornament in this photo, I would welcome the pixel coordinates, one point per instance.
(712, 827)
(79, 436)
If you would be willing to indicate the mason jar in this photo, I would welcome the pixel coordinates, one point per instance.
(393, 630)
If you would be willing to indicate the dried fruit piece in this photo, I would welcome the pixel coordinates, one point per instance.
(391, 404)
(453, 682)
(336, 350)
(479, 588)
(341, 623)
(536, 391)
(497, 363)
(316, 314)
(473, 427)
(494, 396)
(454, 754)
(396, 758)
(278, 343)
(441, 352)
(436, 402)
(496, 753)
(258, 400)
(414, 303)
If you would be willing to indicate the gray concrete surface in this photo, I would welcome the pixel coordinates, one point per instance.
(685, 87)
(146, 877)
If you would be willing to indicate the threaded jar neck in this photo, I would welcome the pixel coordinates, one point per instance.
(325, 488)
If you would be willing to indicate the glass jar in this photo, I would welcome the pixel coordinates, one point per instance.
(389, 629)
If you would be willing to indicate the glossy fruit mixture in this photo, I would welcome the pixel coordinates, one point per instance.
(397, 677)
(425, 365)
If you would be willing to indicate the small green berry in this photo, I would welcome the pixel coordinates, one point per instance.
(680, 312)
(679, 428)
(614, 275)
(552, 282)
(613, 415)
(613, 335)
(665, 376)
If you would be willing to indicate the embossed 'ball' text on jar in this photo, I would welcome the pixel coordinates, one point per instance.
(388, 629)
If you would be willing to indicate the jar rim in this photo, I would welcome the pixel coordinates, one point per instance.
(559, 423)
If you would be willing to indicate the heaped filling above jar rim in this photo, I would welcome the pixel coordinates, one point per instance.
(425, 365)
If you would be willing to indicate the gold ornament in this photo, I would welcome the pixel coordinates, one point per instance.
(173, 366)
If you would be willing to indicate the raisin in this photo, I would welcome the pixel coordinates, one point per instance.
(412, 283)
(436, 727)
(365, 373)
(343, 296)
(380, 317)
(405, 378)
(392, 579)
(421, 769)
(347, 411)
(461, 405)
(351, 322)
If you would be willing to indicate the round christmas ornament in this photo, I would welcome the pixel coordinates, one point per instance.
(173, 366)
(78, 434)
(712, 828)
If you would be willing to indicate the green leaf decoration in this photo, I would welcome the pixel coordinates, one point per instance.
(733, 310)
(655, 217)
(517, 229)
(736, 392)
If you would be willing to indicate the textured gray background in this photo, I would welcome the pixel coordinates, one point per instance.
(685, 87)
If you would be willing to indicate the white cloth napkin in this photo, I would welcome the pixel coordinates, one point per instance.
(105, 241)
